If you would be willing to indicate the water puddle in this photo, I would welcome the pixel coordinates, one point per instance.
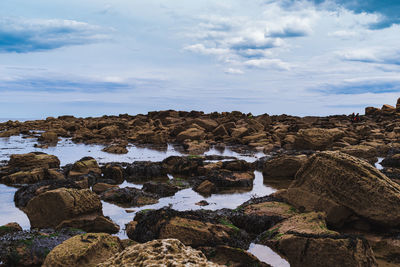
(378, 164)
(8, 211)
(267, 255)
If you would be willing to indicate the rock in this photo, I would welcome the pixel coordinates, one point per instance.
(64, 207)
(113, 172)
(102, 187)
(145, 170)
(371, 110)
(166, 252)
(228, 256)
(398, 105)
(115, 149)
(110, 132)
(27, 162)
(386, 248)
(188, 166)
(130, 228)
(30, 248)
(32, 176)
(10, 228)
(283, 167)
(160, 189)
(49, 137)
(304, 240)
(207, 124)
(341, 185)
(388, 109)
(191, 134)
(129, 197)
(202, 203)
(26, 193)
(220, 131)
(84, 166)
(239, 132)
(317, 138)
(206, 188)
(84, 250)
(368, 153)
(224, 179)
(391, 161)
(237, 166)
(194, 228)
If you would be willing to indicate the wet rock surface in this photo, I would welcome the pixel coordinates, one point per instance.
(30, 248)
(129, 197)
(342, 185)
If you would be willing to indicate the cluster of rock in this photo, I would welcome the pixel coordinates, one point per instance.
(334, 209)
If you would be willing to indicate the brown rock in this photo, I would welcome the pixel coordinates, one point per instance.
(191, 134)
(166, 252)
(84, 250)
(114, 173)
(110, 132)
(84, 166)
(283, 167)
(304, 240)
(316, 138)
(10, 228)
(115, 149)
(206, 188)
(49, 137)
(67, 207)
(220, 131)
(340, 184)
(207, 124)
(26, 162)
(101, 187)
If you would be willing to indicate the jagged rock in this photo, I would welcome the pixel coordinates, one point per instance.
(32, 176)
(392, 161)
(30, 161)
(342, 185)
(166, 252)
(64, 207)
(113, 172)
(283, 167)
(84, 250)
(129, 197)
(304, 240)
(206, 188)
(189, 166)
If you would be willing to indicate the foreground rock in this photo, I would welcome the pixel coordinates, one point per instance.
(304, 240)
(165, 252)
(61, 208)
(30, 248)
(84, 250)
(342, 185)
(193, 228)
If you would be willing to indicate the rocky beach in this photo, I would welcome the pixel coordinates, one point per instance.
(176, 188)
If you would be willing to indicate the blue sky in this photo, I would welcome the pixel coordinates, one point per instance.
(95, 57)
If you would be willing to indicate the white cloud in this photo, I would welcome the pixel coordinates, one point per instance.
(234, 71)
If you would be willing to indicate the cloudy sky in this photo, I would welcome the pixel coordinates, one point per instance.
(95, 57)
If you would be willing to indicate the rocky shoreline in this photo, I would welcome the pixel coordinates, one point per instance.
(333, 208)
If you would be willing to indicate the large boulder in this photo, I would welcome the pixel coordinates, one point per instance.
(341, 185)
(48, 137)
(164, 252)
(283, 167)
(26, 162)
(64, 207)
(84, 250)
(317, 138)
(129, 197)
(305, 240)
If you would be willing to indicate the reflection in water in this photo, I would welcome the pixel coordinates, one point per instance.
(267, 255)
(68, 152)
(8, 211)
(186, 200)
(378, 164)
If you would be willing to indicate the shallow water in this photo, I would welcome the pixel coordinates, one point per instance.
(267, 255)
(186, 199)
